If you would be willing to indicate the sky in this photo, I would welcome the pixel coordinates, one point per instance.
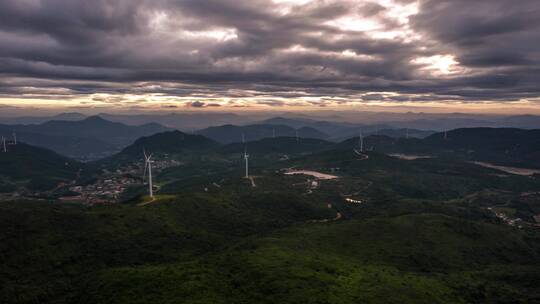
(131, 55)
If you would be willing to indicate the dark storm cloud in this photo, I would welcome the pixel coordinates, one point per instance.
(71, 22)
(498, 38)
(244, 49)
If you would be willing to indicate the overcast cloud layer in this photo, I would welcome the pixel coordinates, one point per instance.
(270, 52)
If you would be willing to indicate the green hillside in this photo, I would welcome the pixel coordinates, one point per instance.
(254, 248)
(434, 178)
(34, 168)
(499, 145)
(280, 145)
(504, 146)
(172, 142)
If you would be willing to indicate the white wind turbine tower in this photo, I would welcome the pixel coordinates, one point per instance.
(148, 164)
(246, 158)
(4, 144)
(361, 141)
(14, 138)
(445, 134)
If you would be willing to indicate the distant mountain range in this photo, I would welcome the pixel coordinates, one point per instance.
(330, 123)
(183, 121)
(230, 133)
(441, 124)
(396, 133)
(94, 127)
(437, 122)
(338, 131)
(26, 120)
(279, 145)
(75, 147)
(330, 128)
(190, 121)
(88, 139)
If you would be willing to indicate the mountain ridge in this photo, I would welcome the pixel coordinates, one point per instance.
(90, 138)
(231, 133)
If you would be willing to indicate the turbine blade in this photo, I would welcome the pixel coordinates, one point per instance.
(144, 173)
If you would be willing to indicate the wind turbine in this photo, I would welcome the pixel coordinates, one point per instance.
(445, 135)
(246, 158)
(361, 141)
(361, 144)
(14, 138)
(4, 143)
(148, 164)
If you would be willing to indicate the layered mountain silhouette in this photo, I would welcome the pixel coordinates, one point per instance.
(230, 133)
(90, 138)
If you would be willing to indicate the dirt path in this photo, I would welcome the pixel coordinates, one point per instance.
(147, 203)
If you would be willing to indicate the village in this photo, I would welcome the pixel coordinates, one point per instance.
(110, 186)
